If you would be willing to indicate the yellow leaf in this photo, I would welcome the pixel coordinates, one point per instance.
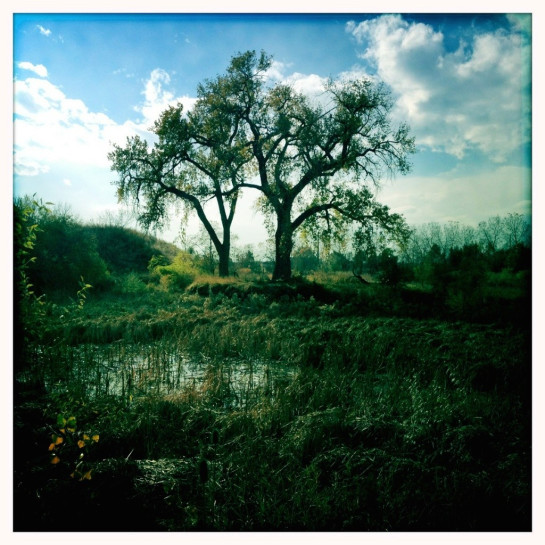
(55, 460)
(85, 437)
(52, 446)
(81, 443)
(96, 438)
(62, 431)
(71, 430)
(59, 440)
(87, 476)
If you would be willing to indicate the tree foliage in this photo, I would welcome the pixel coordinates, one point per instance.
(313, 163)
(62, 249)
(197, 158)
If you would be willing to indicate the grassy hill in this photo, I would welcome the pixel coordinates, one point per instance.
(127, 250)
(65, 251)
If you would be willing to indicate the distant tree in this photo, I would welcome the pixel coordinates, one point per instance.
(305, 260)
(245, 258)
(519, 258)
(120, 218)
(466, 277)
(371, 243)
(457, 235)
(338, 261)
(516, 229)
(202, 245)
(390, 271)
(492, 233)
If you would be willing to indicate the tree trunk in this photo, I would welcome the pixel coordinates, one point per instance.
(223, 256)
(283, 247)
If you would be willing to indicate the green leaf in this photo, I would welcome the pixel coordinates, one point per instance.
(61, 421)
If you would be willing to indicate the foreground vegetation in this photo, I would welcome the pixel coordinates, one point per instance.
(239, 404)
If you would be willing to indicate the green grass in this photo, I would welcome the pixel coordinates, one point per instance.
(384, 422)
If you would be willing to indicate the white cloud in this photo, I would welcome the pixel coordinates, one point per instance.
(470, 98)
(310, 85)
(521, 22)
(277, 71)
(44, 31)
(465, 198)
(38, 69)
(51, 129)
(157, 98)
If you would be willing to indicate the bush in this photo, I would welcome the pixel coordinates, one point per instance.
(64, 252)
(132, 283)
(177, 275)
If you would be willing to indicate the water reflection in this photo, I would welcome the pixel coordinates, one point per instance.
(133, 371)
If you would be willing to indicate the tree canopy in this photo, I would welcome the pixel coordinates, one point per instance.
(313, 163)
(316, 163)
(197, 158)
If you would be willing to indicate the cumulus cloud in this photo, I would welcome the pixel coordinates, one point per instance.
(311, 85)
(277, 71)
(158, 97)
(38, 69)
(469, 98)
(51, 128)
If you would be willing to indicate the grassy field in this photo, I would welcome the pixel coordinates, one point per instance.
(312, 406)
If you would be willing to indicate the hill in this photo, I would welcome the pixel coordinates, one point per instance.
(127, 250)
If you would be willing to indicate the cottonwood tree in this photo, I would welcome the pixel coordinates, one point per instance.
(197, 158)
(314, 162)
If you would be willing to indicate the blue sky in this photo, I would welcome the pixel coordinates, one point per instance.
(462, 82)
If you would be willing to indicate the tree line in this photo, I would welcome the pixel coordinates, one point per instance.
(55, 251)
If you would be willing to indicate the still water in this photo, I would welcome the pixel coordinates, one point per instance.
(160, 370)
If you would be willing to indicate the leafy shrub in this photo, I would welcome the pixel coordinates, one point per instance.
(64, 253)
(132, 283)
(177, 275)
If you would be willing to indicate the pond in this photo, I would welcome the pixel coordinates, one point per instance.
(162, 370)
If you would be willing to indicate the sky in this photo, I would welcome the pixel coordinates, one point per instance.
(83, 82)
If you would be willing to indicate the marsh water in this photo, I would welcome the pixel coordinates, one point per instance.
(135, 371)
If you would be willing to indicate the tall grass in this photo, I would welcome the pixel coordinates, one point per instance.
(296, 417)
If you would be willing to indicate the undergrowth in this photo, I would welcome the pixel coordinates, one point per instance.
(383, 422)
